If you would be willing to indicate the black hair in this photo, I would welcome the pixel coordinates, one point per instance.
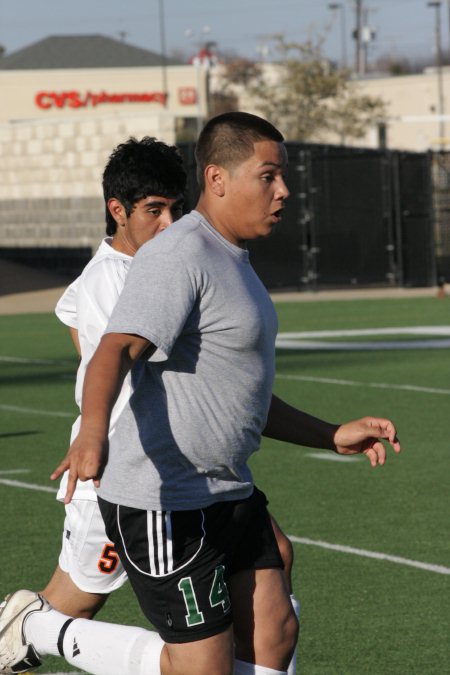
(228, 139)
(137, 169)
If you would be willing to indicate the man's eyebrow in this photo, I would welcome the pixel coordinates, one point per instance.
(155, 202)
(275, 165)
(162, 201)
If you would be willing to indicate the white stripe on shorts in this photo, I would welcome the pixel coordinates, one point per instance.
(160, 552)
(169, 542)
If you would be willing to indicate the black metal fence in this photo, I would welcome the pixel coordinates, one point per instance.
(441, 208)
(355, 217)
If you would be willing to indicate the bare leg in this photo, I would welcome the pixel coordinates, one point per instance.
(265, 625)
(214, 655)
(67, 598)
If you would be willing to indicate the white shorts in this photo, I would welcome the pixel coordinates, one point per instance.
(87, 554)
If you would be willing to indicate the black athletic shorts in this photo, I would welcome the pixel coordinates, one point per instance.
(180, 562)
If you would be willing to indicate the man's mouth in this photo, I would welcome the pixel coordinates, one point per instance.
(276, 215)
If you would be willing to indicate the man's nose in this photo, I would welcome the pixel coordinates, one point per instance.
(282, 190)
(165, 220)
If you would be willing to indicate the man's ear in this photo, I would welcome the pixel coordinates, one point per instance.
(215, 179)
(117, 210)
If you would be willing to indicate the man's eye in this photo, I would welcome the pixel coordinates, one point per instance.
(155, 212)
(268, 178)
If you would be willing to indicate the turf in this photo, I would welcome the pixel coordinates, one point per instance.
(359, 615)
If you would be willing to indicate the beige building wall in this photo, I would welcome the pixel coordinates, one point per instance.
(411, 102)
(66, 157)
(57, 129)
(412, 106)
(95, 92)
(51, 172)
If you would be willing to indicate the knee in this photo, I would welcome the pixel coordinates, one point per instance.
(278, 641)
(289, 632)
(79, 606)
(75, 611)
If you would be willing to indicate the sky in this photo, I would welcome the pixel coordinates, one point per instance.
(403, 27)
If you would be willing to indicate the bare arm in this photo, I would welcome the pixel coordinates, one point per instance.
(286, 423)
(105, 374)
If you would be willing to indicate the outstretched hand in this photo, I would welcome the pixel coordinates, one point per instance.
(84, 461)
(364, 436)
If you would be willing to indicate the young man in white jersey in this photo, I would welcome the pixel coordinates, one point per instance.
(192, 531)
(143, 185)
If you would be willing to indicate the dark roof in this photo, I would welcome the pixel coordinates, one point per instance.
(80, 51)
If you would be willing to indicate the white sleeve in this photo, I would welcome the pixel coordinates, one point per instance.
(98, 292)
(97, 295)
(66, 307)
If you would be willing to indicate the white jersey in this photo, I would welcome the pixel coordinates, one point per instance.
(87, 305)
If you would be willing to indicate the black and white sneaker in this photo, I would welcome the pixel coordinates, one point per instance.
(16, 655)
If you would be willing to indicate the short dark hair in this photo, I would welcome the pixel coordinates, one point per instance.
(228, 139)
(136, 169)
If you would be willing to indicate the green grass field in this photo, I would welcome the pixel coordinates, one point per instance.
(361, 614)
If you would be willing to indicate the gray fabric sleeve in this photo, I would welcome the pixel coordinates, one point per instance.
(157, 298)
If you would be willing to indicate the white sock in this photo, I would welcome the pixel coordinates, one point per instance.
(42, 629)
(103, 648)
(95, 646)
(292, 668)
(244, 668)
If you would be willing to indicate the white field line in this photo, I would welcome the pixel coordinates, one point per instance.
(8, 472)
(333, 457)
(374, 555)
(323, 345)
(39, 362)
(35, 411)
(316, 345)
(307, 340)
(27, 486)
(414, 330)
(428, 567)
(373, 385)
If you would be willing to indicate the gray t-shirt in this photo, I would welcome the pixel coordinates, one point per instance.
(200, 403)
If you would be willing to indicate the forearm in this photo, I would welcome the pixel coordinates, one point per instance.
(105, 374)
(286, 423)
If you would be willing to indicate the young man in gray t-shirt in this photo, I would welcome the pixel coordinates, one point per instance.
(192, 531)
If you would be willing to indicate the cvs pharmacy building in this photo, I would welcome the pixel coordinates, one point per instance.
(66, 102)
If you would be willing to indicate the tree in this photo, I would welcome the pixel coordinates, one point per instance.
(237, 74)
(305, 95)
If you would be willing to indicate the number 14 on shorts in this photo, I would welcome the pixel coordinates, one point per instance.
(218, 596)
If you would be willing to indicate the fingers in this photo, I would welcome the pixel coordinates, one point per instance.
(58, 472)
(72, 478)
(388, 431)
(78, 469)
(71, 485)
(395, 444)
(364, 436)
(376, 454)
